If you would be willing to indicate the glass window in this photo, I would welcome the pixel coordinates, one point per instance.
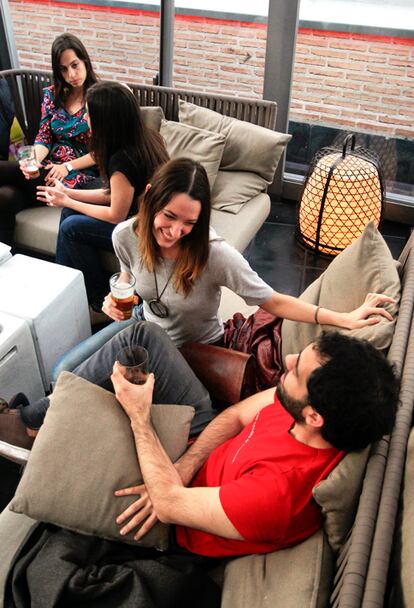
(354, 72)
(219, 46)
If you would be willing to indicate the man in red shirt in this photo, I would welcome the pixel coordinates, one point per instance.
(252, 470)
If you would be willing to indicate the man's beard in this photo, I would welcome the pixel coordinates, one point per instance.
(293, 406)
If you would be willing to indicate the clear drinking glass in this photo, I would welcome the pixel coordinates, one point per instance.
(134, 361)
(122, 286)
(27, 154)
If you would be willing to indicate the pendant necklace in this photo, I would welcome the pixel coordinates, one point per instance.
(157, 307)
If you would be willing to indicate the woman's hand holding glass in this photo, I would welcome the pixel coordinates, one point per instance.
(23, 168)
(110, 308)
(53, 196)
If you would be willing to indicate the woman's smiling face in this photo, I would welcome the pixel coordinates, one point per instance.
(174, 221)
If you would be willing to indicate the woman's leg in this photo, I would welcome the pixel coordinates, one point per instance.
(88, 347)
(82, 351)
(12, 201)
(16, 193)
(80, 240)
(175, 382)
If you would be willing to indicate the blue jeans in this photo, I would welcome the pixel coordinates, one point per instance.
(80, 240)
(175, 381)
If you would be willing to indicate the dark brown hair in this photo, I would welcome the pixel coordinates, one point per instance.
(116, 124)
(180, 176)
(65, 42)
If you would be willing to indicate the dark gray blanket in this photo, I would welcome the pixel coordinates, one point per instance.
(59, 568)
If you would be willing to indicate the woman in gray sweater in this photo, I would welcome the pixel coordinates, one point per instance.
(181, 264)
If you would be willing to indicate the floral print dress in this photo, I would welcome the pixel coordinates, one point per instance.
(66, 136)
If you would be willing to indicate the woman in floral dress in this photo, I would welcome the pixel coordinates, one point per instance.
(62, 141)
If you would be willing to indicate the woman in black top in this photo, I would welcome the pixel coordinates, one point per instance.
(127, 153)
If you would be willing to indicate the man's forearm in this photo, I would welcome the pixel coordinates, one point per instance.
(226, 425)
(173, 503)
(160, 476)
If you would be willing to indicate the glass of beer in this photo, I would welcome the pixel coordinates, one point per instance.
(28, 155)
(134, 361)
(122, 292)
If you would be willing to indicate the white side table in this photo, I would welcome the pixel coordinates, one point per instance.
(19, 369)
(52, 298)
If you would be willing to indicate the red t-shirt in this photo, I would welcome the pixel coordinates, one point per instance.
(266, 479)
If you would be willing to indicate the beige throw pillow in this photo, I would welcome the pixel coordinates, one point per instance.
(248, 147)
(85, 451)
(338, 496)
(365, 266)
(234, 188)
(152, 116)
(197, 144)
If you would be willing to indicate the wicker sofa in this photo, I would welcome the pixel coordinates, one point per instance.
(357, 572)
(313, 574)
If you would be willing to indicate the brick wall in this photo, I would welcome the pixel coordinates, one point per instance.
(355, 82)
(351, 81)
(122, 45)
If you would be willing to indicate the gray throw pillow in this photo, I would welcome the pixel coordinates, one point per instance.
(198, 144)
(152, 116)
(84, 451)
(248, 147)
(338, 496)
(364, 266)
(234, 188)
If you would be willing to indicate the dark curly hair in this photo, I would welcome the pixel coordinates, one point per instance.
(355, 390)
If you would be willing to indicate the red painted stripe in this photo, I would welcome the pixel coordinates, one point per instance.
(94, 7)
(357, 36)
(234, 23)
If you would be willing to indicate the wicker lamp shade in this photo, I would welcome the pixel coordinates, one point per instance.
(343, 192)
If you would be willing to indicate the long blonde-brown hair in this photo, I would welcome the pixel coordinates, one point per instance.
(180, 176)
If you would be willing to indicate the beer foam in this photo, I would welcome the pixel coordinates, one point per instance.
(122, 290)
